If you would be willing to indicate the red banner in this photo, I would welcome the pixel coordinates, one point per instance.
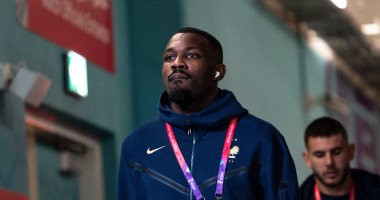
(5, 194)
(84, 26)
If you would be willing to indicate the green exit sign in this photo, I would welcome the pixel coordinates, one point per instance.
(76, 74)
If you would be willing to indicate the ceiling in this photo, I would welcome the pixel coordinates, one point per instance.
(365, 13)
(342, 29)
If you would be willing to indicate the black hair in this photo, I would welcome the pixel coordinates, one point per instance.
(324, 127)
(211, 39)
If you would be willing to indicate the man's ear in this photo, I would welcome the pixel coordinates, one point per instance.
(220, 72)
(306, 158)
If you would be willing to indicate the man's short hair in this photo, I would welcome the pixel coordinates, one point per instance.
(211, 39)
(324, 127)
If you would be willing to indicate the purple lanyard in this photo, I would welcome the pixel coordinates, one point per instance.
(223, 161)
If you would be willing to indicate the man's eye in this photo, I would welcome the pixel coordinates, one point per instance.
(336, 151)
(169, 58)
(319, 154)
(193, 55)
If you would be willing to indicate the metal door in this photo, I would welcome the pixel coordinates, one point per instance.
(63, 163)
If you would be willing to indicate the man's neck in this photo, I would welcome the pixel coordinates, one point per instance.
(343, 189)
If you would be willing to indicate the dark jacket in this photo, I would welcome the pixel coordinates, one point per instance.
(367, 186)
(260, 165)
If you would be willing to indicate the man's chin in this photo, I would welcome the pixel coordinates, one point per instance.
(333, 183)
(330, 182)
(180, 96)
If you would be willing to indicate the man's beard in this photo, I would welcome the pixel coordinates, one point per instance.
(343, 178)
(181, 97)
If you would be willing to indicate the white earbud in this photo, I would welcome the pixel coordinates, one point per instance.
(217, 74)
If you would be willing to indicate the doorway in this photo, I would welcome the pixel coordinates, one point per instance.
(64, 162)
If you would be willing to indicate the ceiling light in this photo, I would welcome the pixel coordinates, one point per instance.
(370, 29)
(342, 4)
(320, 46)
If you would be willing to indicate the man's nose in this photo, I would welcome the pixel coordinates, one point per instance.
(329, 159)
(178, 63)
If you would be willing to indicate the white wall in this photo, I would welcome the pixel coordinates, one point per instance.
(265, 62)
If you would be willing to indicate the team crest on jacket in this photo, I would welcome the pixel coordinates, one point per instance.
(233, 152)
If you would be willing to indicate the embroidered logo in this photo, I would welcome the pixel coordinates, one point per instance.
(233, 152)
(150, 151)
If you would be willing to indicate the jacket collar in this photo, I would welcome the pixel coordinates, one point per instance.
(215, 115)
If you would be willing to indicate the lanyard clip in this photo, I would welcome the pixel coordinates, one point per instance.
(218, 196)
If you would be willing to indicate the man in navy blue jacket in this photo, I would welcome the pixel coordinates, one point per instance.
(328, 154)
(203, 144)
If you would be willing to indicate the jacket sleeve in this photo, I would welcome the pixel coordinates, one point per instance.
(278, 175)
(126, 190)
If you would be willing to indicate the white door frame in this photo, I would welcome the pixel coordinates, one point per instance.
(89, 167)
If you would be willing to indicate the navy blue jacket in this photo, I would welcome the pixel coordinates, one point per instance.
(367, 186)
(259, 167)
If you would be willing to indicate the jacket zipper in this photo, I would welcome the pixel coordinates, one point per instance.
(189, 131)
(192, 163)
